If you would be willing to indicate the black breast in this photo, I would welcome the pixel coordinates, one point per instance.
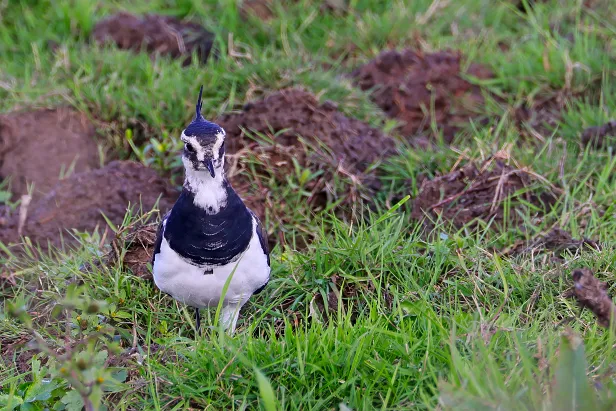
(209, 239)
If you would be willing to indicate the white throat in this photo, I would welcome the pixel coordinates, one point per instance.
(210, 192)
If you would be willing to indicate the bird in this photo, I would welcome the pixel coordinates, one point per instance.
(210, 234)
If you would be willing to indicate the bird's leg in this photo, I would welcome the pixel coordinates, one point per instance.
(229, 315)
(197, 319)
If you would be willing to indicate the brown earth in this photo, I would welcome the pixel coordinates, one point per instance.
(473, 193)
(592, 294)
(556, 240)
(264, 9)
(38, 146)
(78, 201)
(293, 112)
(539, 119)
(600, 136)
(348, 293)
(158, 35)
(138, 242)
(331, 143)
(261, 9)
(14, 350)
(406, 84)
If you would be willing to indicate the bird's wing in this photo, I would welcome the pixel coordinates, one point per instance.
(159, 237)
(262, 234)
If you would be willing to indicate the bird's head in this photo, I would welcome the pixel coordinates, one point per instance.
(204, 144)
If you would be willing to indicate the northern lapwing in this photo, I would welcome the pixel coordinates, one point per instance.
(210, 234)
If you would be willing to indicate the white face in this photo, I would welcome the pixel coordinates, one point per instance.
(201, 150)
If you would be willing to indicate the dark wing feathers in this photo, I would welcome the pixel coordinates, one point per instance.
(159, 237)
(262, 234)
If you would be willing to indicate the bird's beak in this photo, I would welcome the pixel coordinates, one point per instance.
(210, 167)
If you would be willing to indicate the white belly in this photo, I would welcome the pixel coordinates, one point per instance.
(188, 284)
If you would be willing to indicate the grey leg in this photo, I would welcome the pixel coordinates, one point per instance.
(197, 320)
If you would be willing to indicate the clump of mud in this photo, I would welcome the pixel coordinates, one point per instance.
(39, 146)
(345, 296)
(592, 294)
(138, 241)
(261, 9)
(600, 136)
(471, 193)
(539, 119)
(556, 240)
(286, 115)
(80, 201)
(158, 35)
(421, 88)
(300, 132)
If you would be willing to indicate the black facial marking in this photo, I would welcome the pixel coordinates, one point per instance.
(190, 148)
(209, 239)
(208, 272)
(221, 150)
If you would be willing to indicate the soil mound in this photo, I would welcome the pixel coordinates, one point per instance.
(79, 201)
(331, 145)
(482, 193)
(289, 113)
(38, 146)
(418, 89)
(164, 35)
(600, 136)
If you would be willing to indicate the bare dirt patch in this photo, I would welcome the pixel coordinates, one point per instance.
(158, 35)
(419, 89)
(294, 129)
(556, 240)
(346, 296)
(600, 136)
(78, 201)
(493, 191)
(39, 146)
(290, 113)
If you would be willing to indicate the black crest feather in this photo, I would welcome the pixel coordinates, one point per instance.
(199, 105)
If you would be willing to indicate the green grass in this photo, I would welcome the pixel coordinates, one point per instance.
(420, 320)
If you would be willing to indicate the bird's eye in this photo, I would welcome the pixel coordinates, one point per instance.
(189, 148)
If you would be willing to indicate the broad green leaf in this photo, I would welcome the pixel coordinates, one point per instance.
(266, 391)
(73, 401)
(99, 358)
(40, 391)
(10, 402)
(572, 390)
(122, 314)
(28, 406)
(114, 384)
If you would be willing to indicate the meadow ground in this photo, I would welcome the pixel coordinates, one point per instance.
(427, 171)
